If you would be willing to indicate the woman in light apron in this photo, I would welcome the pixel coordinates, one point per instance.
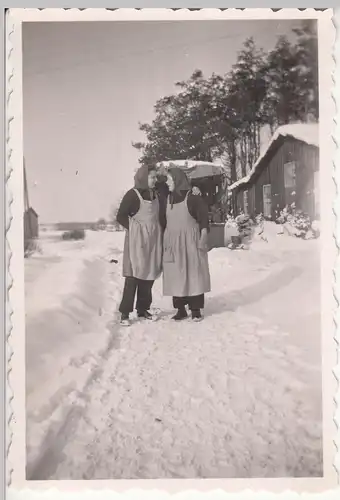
(186, 274)
(139, 214)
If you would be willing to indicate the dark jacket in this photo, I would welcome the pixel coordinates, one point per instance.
(130, 203)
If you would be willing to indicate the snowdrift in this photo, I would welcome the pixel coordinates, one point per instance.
(69, 305)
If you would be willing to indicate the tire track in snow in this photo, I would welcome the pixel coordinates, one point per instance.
(58, 432)
(230, 397)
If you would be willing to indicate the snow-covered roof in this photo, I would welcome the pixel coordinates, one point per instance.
(195, 169)
(304, 132)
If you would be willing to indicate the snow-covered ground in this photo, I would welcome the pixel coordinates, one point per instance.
(238, 395)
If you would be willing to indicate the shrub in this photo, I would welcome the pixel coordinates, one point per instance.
(244, 225)
(297, 219)
(259, 220)
(75, 234)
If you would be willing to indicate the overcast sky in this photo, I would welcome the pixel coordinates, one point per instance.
(88, 85)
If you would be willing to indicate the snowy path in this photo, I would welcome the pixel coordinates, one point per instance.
(238, 395)
(68, 296)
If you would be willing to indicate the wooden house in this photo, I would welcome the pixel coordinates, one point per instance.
(31, 224)
(286, 172)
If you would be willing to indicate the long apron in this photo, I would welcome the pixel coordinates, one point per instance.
(142, 256)
(185, 266)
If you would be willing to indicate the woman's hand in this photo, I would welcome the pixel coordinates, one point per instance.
(196, 191)
(203, 242)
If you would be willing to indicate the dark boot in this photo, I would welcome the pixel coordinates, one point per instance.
(124, 320)
(181, 314)
(196, 315)
(145, 315)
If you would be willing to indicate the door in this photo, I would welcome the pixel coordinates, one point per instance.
(245, 203)
(267, 201)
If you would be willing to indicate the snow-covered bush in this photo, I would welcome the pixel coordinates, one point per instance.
(259, 219)
(230, 220)
(242, 222)
(297, 220)
(76, 234)
(244, 225)
(284, 214)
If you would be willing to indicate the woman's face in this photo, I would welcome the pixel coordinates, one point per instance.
(170, 182)
(152, 179)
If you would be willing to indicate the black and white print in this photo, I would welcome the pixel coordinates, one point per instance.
(173, 224)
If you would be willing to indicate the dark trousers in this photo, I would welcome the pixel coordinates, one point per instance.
(194, 302)
(144, 295)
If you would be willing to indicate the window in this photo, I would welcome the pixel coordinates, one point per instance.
(267, 200)
(290, 175)
(245, 202)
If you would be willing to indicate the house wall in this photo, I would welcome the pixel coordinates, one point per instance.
(31, 225)
(306, 158)
(239, 205)
(251, 201)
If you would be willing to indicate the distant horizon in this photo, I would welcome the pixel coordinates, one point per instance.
(69, 222)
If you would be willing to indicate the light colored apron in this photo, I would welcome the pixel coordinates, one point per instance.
(142, 256)
(185, 267)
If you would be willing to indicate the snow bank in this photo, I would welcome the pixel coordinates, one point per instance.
(272, 239)
(70, 302)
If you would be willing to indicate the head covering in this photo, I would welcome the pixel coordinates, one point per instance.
(141, 177)
(180, 179)
(181, 182)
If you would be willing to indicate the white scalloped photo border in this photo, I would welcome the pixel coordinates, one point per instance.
(19, 488)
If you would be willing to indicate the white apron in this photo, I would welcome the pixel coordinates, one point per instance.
(142, 256)
(185, 267)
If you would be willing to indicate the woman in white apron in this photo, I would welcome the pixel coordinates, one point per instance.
(139, 214)
(185, 255)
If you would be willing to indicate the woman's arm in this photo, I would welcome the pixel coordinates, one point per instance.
(198, 209)
(129, 206)
(203, 243)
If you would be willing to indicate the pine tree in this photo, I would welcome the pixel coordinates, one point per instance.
(222, 116)
(307, 54)
(246, 94)
(292, 79)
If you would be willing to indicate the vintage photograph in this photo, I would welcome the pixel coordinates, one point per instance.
(172, 229)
